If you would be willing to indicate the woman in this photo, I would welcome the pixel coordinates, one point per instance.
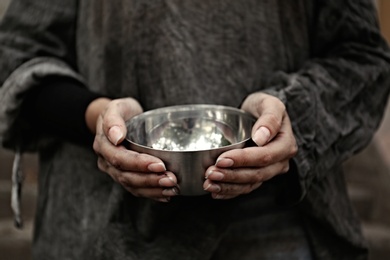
(314, 73)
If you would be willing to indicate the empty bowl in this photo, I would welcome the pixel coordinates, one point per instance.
(189, 138)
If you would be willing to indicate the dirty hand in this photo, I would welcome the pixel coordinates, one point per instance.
(140, 174)
(240, 171)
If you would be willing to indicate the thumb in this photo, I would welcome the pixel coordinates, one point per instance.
(114, 118)
(261, 136)
(270, 112)
(116, 134)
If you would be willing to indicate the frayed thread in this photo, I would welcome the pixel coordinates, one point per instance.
(17, 182)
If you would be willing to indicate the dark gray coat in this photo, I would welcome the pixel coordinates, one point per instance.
(324, 59)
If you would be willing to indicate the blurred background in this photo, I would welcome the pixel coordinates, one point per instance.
(367, 174)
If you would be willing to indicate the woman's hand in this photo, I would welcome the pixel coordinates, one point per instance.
(241, 171)
(141, 174)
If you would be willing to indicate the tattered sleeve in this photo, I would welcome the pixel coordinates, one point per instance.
(37, 40)
(337, 99)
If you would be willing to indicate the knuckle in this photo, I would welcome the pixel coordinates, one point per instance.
(102, 165)
(113, 176)
(285, 168)
(294, 149)
(267, 159)
(259, 178)
(278, 102)
(252, 187)
(256, 177)
(148, 182)
(248, 189)
(137, 161)
(124, 181)
(227, 189)
(111, 105)
(108, 118)
(115, 159)
(232, 175)
(282, 106)
(274, 120)
(96, 146)
(134, 192)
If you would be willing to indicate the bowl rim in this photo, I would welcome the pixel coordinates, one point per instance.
(188, 107)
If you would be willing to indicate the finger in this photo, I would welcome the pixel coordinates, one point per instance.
(246, 175)
(254, 156)
(153, 193)
(135, 187)
(239, 182)
(271, 115)
(138, 179)
(233, 190)
(135, 179)
(283, 147)
(157, 194)
(169, 180)
(270, 112)
(163, 199)
(115, 115)
(113, 125)
(125, 159)
(128, 160)
(141, 184)
(229, 190)
(101, 139)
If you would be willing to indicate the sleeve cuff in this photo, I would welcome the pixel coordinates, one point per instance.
(57, 108)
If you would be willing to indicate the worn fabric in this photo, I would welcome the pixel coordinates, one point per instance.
(324, 59)
(275, 236)
(54, 115)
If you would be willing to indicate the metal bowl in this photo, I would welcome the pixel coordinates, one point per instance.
(189, 138)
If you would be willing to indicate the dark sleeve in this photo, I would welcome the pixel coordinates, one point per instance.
(336, 100)
(57, 108)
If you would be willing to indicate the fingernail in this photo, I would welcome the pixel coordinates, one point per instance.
(157, 167)
(261, 136)
(167, 199)
(171, 192)
(176, 190)
(224, 162)
(213, 188)
(217, 196)
(215, 176)
(115, 134)
(167, 182)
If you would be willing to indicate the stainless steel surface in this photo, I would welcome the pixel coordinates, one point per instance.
(189, 138)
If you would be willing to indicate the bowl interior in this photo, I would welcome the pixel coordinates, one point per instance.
(190, 128)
